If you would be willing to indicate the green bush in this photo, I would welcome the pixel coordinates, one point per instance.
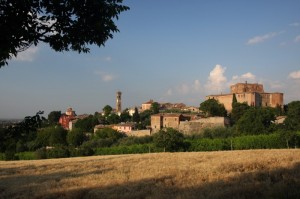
(41, 153)
(58, 152)
(28, 155)
(81, 151)
(262, 141)
(10, 155)
(206, 144)
(2, 156)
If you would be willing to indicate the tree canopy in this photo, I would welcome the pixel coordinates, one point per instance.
(107, 110)
(292, 121)
(53, 117)
(238, 110)
(169, 139)
(212, 107)
(256, 120)
(64, 25)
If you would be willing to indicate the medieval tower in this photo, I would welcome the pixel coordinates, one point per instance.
(118, 102)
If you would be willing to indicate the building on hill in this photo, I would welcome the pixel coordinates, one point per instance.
(147, 105)
(186, 124)
(124, 127)
(252, 94)
(171, 120)
(66, 117)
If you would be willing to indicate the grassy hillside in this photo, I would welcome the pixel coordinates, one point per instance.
(229, 174)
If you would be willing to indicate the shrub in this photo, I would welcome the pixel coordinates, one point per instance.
(206, 144)
(2, 156)
(58, 152)
(41, 153)
(81, 151)
(10, 155)
(26, 155)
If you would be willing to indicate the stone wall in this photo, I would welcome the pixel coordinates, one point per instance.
(139, 133)
(197, 126)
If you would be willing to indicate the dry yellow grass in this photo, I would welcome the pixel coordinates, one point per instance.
(229, 174)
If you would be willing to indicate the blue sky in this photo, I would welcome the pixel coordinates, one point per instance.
(168, 51)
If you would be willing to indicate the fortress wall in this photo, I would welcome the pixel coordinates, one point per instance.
(276, 99)
(197, 126)
(245, 87)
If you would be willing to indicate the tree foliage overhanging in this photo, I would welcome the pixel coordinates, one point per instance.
(64, 25)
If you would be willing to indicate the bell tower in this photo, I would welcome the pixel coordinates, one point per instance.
(118, 102)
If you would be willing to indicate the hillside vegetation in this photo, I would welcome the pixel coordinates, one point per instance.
(227, 174)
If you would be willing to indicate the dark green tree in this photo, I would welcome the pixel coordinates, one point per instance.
(58, 136)
(75, 137)
(292, 122)
(67, 25)
(51, 136)
(212, 107)
(108, 133)
(234, 100)
(155, 108)
(169, 139)
(256, 120)
(125, 117)
(136, 115)
(113, 119)
(87, 124)
(22, 132)
(238, 110)
(107, 110)
(53, 117)
(145, 119)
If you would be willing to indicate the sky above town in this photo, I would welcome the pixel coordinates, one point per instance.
(169, 51)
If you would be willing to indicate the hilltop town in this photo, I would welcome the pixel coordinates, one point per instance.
(186, 119)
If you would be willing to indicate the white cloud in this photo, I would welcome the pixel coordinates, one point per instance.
(169, 92)
(297, 39)
(296, 24)
(246, 76)
(28, 55)
(196, 86)
(262, 38)
(216, 79)
(108, 58)
(183, 89)
(295, 75)
(105, 76)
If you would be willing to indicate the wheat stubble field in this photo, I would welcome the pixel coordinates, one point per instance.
(227, 174)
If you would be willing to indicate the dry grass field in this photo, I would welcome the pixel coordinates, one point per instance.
(229, 174)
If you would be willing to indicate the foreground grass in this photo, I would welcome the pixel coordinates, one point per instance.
(229, 174)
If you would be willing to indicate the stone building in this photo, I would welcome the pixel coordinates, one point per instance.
(186, 124)
(124, 127)
(252, 94)
(147, 105)
(160, 121)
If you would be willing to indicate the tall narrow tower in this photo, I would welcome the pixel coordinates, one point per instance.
(118, 102)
